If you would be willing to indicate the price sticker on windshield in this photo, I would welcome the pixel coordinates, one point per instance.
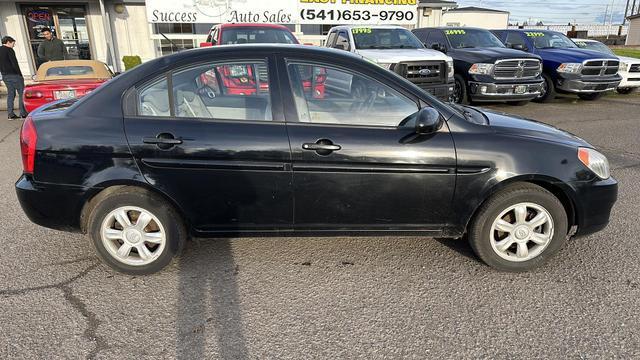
(455, 32)
(534, 34)
(361, 31)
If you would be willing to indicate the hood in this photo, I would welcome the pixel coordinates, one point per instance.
(572, 55)
(393, 56)
(490, 54)
(519, 126)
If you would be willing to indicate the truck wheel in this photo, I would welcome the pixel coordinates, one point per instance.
(518, 103)
(548, 90)
(519, 228)
(459, 95)
(136, 232)
(591, 96)
(624, 91)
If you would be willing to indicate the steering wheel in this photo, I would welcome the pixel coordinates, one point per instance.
(207, 91)
(364, 98)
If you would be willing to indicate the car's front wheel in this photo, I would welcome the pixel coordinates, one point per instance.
(519, 228)
(624, 91)
(136, 232)
(547, 91)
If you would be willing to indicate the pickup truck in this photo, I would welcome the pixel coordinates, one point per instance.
(485, 69)
(566, 68)
(396, 49)
(629, 67)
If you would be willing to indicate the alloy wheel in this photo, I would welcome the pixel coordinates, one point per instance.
(521, 232)
(133, 236)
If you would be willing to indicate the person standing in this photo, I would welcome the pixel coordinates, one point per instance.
(12, 76)
(51, 48)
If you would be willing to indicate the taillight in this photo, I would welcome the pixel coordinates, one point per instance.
(28, 138)
(33, 94)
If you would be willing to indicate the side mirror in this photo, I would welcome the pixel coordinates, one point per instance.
(428, 121)
(519, 47)
(439, 47)
(341, 46)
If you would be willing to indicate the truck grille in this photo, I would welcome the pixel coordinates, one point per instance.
(600, 67)
(516, 69)
(423, 72)
(634, 68)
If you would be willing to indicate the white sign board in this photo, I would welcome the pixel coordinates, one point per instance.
(372, 12)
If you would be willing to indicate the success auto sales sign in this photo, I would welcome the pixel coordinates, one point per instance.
(283, 11)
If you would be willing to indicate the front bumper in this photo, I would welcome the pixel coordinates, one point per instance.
(579, 85)
(52, 206)
(441, 91)
(486, 91)
(629, 80)
(594, 201)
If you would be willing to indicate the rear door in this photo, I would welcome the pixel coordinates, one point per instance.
(357, 162)
(212, 137)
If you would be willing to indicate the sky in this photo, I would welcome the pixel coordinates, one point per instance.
(555, 11)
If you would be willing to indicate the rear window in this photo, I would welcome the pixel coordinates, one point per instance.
(70, 71)
(250, 35)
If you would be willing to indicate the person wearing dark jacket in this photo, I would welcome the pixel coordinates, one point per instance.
(12, 76)
(51, 48)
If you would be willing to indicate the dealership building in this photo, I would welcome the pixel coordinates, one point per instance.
(107, 30)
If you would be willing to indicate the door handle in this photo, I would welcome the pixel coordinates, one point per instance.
(163, 140)
(322, 147)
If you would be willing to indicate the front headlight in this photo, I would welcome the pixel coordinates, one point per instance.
(623, 66)
(570, 68)
(595, 161)
(450, 69)
(481, 69)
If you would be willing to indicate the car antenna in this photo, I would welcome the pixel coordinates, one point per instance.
(179, 48)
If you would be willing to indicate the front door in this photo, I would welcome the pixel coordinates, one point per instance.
(357, 161)
(206, 136)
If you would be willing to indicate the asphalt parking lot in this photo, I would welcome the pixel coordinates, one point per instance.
(366, 297)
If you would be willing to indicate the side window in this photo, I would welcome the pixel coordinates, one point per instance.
(515, 39)
(430, 40)
(343, 38)
(153, 99)
(331, 39)
(328, 95)
(232, 91)
(438, 38)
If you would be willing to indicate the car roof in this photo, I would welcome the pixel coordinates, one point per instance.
(457, 27)
(368, 26)
(271, 26)
(100, 70)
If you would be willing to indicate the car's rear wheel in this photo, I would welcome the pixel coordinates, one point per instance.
(136, 232)
(591, 96)
(547, 91)
(519, 228)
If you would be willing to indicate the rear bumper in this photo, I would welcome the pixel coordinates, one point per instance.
(595, 201)
(588, 86)
(52, 206)
(484, 91)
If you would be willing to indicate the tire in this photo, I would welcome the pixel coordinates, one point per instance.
(486, 240)
(518, 103)
(548, 89)
(165, 232)
(460, 95)
(624, 91)
(591, 96)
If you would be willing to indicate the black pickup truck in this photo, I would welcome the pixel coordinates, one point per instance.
(485, 69)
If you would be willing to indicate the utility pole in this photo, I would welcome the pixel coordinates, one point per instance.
(604, 18)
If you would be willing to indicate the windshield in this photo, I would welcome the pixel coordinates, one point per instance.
(470, 38)
(594, 45)
(549, 40)
(250, 35)
(380, 38)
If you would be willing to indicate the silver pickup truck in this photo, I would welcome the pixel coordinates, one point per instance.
(397, 49)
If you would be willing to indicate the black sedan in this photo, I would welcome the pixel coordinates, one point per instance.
(239, 140)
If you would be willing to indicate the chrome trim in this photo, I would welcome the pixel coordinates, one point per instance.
(520, 67)
(603, 68)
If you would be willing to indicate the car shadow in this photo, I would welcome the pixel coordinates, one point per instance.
(461, 246)
(208, 303)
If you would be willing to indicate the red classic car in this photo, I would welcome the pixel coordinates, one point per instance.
(243, 80)
(65, 79)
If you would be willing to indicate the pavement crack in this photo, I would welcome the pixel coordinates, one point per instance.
(90, 333)
(9, 134)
